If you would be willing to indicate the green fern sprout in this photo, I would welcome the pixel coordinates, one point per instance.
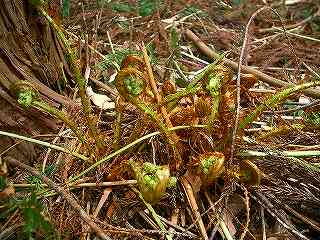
(312, 119)
(27, 96)
(152, 180)
(274, 101)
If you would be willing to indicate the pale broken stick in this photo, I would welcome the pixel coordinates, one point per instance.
(262, 76)
(194, 207)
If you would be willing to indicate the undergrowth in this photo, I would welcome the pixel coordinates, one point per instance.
(188, 127)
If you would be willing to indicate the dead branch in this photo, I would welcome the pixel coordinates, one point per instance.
(262, 76)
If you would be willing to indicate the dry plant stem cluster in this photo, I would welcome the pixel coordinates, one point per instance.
(193, 203)
(86, 106)
(262, 76)
(242, 57)
(247, 153)
(172, 137)
(268, 206)
(133, 85)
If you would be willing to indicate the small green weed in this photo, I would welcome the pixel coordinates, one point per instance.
(193, 10)
(34, 221)
(147, 7)
(143, 8)
(122, 7)
(66, 8)
(36, 181)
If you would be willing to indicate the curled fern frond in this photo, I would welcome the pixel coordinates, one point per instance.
(152, 180)
(130, 83)
(214, 77)
(28, 96)
(25, 93)
(217, 83)
(132, 61)
(168, 87)
(249, 173)
(202, 106)
(183, 116)
(211, 166)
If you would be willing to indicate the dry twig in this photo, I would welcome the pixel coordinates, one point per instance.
(194, 207)
(74, 204)
(315, 93)
(242, 57)
(247, 202)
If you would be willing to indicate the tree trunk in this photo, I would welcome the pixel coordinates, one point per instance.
(29, 50)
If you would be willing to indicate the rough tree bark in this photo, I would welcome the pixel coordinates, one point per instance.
(29, 50)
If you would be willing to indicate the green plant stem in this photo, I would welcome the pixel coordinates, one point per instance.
(83, 185)
(46, 144)
(300, 154)
(274, 100)
(185, 79)
(43, 106)
(153, 213)
(117, 131)
(193, 87)
(225, 230)
(121, 150)
(154, 116)
(86, 106)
